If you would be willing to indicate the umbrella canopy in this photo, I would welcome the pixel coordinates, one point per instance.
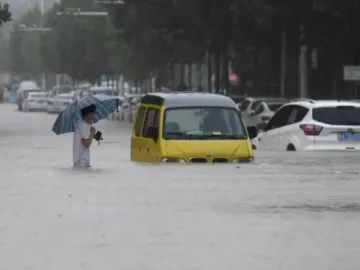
(66, 120)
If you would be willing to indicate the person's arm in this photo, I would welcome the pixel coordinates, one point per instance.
(86, 137)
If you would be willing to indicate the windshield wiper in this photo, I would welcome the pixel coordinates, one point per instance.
(226, 136)
(185, 135)
(178, 134)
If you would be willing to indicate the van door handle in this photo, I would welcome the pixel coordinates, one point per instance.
(148, 150)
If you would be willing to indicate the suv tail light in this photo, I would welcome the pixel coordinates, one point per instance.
(311, 130)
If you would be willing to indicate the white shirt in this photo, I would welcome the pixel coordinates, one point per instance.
(81, 154)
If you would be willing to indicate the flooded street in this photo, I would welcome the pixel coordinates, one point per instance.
(288, 211)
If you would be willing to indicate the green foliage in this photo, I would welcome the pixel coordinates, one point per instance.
(24, 47)
(5, 14)
(78, 46)
(142, 37)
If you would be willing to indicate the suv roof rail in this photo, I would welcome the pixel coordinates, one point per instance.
(303, 99)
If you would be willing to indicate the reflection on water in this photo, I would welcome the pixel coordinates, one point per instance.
(354, 207)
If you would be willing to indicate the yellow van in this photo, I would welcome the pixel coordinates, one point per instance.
(190, 128)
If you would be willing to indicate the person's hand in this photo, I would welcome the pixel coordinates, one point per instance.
(92, 131)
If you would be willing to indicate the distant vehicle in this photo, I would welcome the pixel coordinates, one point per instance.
(265, 110)
(308, 125)
(60, 89)
(35, 101)
(190, 128)
(129, 106)
(237, 99)
(23, 90)
(102, 89)
(58, 103)
(249, 104)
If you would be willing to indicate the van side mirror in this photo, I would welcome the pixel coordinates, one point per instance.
(261, 126)
(153, 133)
(252, 131)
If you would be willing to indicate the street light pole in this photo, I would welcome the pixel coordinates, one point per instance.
(303, 69)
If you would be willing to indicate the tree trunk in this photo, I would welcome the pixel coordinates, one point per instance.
(182, 73)
(217, 61)
(190, 71)
(209, 65)
(225, 73)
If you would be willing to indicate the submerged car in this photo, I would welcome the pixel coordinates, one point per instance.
(308, 125)
(190, 128)
(35, 101)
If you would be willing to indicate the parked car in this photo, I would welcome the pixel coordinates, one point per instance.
(58, 103)
(25, 87)
(237, 99)
(116, 114)
(265, 110)
(102, 89)
(60, 89)
(249, 104)
(307, 125)
(35, 101)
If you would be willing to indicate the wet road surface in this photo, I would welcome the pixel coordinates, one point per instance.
(295, 211)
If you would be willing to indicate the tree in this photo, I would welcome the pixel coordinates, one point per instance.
(5, 14)
(77, 45)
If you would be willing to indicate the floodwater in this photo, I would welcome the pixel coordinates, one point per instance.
(298, 211)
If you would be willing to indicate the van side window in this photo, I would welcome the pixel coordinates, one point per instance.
(139, 121)
(152, 119)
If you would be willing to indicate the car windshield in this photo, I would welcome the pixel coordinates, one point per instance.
(37, 95)
(341, 115)
(65, 98)
(274, 107)
(255, 104)
(244, 105)
(203, 123)
(28, 92)
(63, 89)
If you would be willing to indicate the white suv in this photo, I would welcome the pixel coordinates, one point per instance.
(305, 125)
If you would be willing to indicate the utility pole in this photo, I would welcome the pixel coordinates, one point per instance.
(283, 64)
(303, 65)
(43, 74)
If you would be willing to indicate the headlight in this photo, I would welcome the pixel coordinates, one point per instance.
(172, 160)
(243, 160)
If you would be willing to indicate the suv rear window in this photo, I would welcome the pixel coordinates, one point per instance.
(341, 115)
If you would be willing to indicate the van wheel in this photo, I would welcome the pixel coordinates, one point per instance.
(291, 148)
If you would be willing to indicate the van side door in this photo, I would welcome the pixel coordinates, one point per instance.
(152, 147)
(136, 140)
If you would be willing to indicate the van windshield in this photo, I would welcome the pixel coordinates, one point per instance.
(214, 123)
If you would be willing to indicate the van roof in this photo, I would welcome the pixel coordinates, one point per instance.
(188, 99)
